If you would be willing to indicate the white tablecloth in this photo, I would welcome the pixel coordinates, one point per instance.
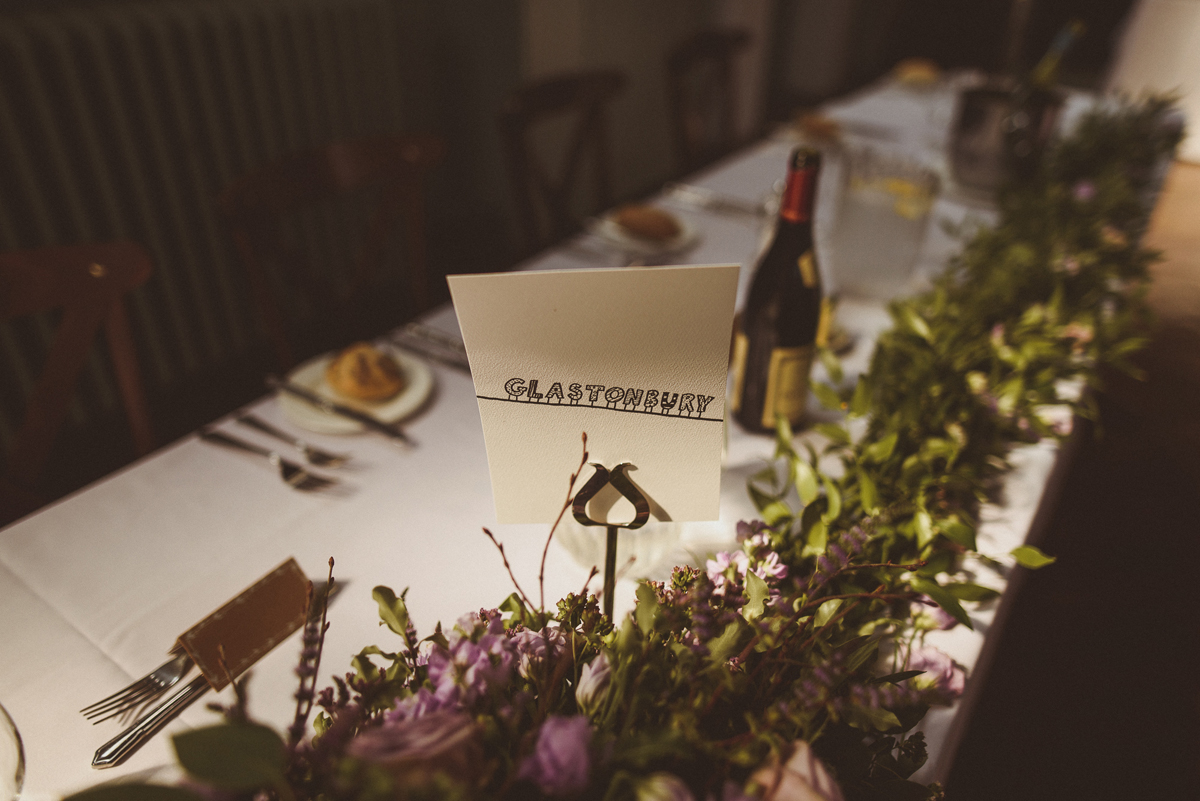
(95, 589)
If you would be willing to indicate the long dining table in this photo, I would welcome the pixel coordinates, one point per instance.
(95, 588)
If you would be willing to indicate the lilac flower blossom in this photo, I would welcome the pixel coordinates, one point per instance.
(719, 571)
(413, 750)
(662, 786)
(560, 762)
(942, 674)
(1069, 265)
(531, 648)
(593, 684)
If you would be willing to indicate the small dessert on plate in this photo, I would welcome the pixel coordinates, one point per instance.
(363, 372)
(647, 223)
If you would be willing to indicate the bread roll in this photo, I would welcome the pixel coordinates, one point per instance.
(363, 372)
(647, 222)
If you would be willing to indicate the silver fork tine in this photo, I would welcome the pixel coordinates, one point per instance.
(293, 474)
(141, 691)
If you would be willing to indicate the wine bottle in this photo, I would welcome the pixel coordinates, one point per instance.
(775, 339)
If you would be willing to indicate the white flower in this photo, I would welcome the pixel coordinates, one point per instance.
(593, 685)
(663, 787)
(1059, 416)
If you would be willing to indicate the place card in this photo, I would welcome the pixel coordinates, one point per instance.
(249, 625)
(637, 358)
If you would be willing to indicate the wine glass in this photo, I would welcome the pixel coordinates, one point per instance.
(12, 758)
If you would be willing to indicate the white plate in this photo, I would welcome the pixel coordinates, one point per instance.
(311, 375)
(614, 234)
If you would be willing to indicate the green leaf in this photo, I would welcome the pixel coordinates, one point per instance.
(818, 535)
(826, 611)
(943, 598)
(120, 791)
(966, 591)
(860, 403)
(806, 481)
(775, 511)
(232, 757)
(834, 496)
(958, 532)
(918, 325)
(870, 718)
(731, 641)
(827, 395)
(837, 434)
(833, 365)
(896, 678)
(1031, 556)
(924, 526)
(880, 450)
(515, 607)
(868, 496)
(392, 610)
(647, 607)
(758, 593)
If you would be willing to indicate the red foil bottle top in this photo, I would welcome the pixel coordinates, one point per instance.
(801, 190)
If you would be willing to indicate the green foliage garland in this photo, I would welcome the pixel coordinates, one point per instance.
(794, 667)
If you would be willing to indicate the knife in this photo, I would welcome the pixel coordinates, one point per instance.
(123, 746)
(330, 407)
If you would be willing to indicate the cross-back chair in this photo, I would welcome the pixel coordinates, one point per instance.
(545, 199)
(388, 172)
(88, 284)
(702, 95)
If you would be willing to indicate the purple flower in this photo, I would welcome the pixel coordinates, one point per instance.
(559, 764)
(928, 615)
(531, 647)
(414, 750)
(1083, 191)
(942, 674)
(593, 684)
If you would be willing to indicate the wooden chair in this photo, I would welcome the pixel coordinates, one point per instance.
(544, 199)
(702, 95)
(391, 168)
(88, 284)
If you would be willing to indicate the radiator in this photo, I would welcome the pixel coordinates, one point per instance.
(125, 121)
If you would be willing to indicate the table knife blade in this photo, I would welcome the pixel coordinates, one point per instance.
(331, 407)
(125, 744)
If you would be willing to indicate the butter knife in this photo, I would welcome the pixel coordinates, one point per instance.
(330, 407)
(125, 744)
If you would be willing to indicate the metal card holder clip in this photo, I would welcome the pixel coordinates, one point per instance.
(623, 485)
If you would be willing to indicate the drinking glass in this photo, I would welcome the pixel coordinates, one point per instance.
(881, 220)
(12, 758)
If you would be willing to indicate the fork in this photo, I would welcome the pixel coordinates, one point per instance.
(140, 692)
(293, 474)
(315, 456)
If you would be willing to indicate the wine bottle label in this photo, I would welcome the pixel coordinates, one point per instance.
(808, 269)
(741, 347)
(787, 384)
(824, 322)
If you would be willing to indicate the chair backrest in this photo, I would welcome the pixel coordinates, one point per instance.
(394, 167)
(88, 284)
(545, 199)
(702, 95)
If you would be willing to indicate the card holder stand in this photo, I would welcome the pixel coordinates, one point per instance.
(641, 506)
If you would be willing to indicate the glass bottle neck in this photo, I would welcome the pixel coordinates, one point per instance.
(796, 205)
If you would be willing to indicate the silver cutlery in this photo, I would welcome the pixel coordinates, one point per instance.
(121, 747)
(140, 692)
(433, 344)
(314, 455)
(720, 203)
(329, 407)
(292, 474)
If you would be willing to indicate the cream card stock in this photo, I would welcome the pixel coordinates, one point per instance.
(637, 358)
